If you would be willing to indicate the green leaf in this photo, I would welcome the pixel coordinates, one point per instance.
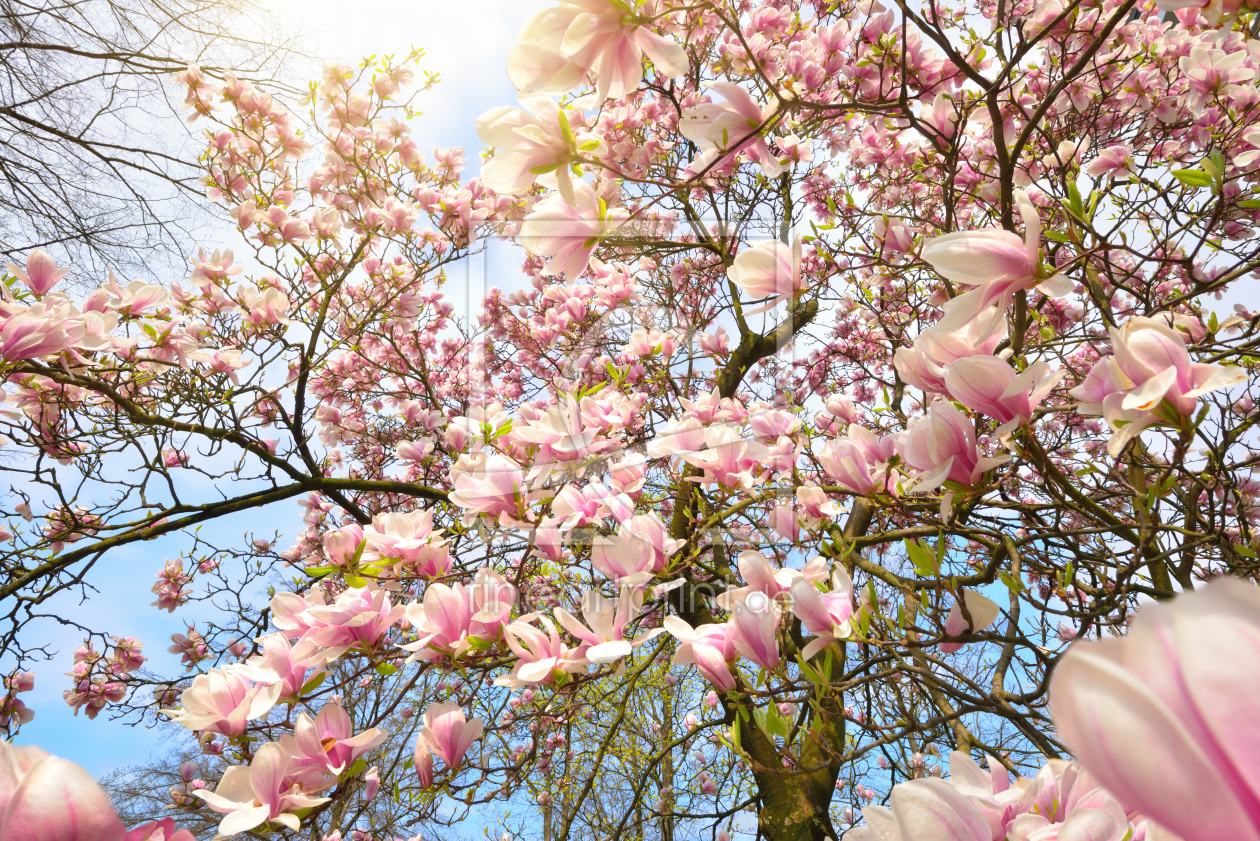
(386, 669)
(1074, 204)
(1056, 236)
(1249, 203)
(565, 128)
(318, 572)
(1218, 160)
(480, 644)
(543, 169)
(808, 671)
(312, 684)
(1193, 177)
(358, 767)
(776, 724)
(356, 581)
(921, 558)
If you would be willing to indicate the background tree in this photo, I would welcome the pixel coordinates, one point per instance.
(96, 165)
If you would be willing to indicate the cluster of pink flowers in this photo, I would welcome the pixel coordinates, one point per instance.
(358, 617)
(531, 494)
(1163, 734)
(1061, 801)
(13, 711)
(169, 587)
(102, 679)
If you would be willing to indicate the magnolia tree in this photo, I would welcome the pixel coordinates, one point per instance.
(862, 359)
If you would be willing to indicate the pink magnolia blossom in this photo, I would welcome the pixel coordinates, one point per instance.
(449, 615)
(639, 549)
(628, 474)
(710, 648)
(328, 742)
(859, 460)
(162, 830)
(169, 587)
(983, 612)
(51, 799)
(936, 348)
(564, 431)
(605, 640)
(342, 546)
(827, 615)
(423, 761)
(729, 460)
(444, 619)
(942, 446)
(588, 504)
(539, 651)
(1115, 161)
(769, 269)
(1216, 12)
(1211, 72)
(548, 542)
(20, 682)
(754, 627)
(536, 143)
(568, 233)
(174, 458)
(135, 298)
(716, 343)
(997, 262)
(763, 578)
(1061, 802)
(216, 269)
(41, 273)
(493, 598)
(409, 539)
(191, 648)
(224, 701)
(1151, 379)
(284, 665)
(255, 794)
(783, 519)
(723, 129)
(359, 616)
(1165, 717)
(680, 436)
(448, 733)
(560, 46)
(487, 485)
(623, 558)
(414, 450)
(42, 330)
(991, 386)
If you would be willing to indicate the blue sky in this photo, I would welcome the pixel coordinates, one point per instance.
(467, 43)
